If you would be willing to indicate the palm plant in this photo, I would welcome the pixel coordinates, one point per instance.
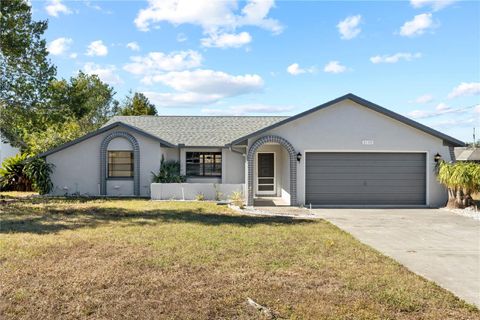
(38, 170)
(462, 179)
(13, 176)
(24, 173)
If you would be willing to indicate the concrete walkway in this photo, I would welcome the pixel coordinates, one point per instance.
(434, 243)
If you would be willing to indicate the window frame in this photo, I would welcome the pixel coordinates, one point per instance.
(202, 164)
(132, 164)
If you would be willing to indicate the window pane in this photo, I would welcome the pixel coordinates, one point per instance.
(204, 164)
(265, 188)
(120, 164)
(265, 181)
(193, 169)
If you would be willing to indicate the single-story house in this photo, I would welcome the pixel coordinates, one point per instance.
(345, 152)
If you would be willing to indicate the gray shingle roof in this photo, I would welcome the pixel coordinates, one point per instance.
(467, 154)
(202, 131)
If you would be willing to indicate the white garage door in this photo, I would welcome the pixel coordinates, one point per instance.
(365, 178)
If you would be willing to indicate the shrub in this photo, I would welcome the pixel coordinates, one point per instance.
(24, 173)
(13, 176)
(39, 171)
(200, 197)
(169, 172)
(237, 199)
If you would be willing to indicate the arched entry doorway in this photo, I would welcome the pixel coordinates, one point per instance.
(292, 164)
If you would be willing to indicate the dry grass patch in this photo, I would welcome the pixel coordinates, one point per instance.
(77, 258)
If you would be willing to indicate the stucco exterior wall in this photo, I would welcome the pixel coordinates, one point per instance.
(189, 191)
(343, 127)
(233, 167)
(285, 175)
(77, 168)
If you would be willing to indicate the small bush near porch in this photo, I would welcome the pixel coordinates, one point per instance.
(77, 258)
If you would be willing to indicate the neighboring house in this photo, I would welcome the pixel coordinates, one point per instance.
(347, 151)
(6, 151)
(467, 154)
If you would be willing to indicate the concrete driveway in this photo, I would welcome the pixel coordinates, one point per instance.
(434, 243)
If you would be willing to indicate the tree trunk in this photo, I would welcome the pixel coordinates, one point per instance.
(454, 198)
(459, 199)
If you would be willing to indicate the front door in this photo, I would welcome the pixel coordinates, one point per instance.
(266, 173)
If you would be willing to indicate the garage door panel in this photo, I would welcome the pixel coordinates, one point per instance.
(415, 189)
(368, 170)
(365, 197)
(365, 163)
(359, 183)
(372, 156)
(365, 178)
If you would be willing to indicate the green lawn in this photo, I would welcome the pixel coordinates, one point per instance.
(67, 258)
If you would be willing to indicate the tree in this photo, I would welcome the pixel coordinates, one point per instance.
(85, 99)
(462, 179)
(25, 71)
(78, 106)
(138, 105)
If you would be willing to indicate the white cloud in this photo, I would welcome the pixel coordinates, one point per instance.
(105, 73)
(157, 62)
(434, 4)
(255, 13)
(55, 7)
(210, 82)
(73, 55)
(133, 46)
(334, 67)
(477, 109)
(440, 110)
(294, 69)
(214, 17)
(465, 89)
(227, 40)
(96, 7)
(210, 15)
(97, 48)
(395, 57)
(426, 98)
(200, 87)
(418, 25)
(246, 109)
(442, 107)
(59, 46)
(448, 123)
(180, 100)
(348, 27)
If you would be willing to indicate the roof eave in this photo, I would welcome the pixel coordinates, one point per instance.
(101, 130)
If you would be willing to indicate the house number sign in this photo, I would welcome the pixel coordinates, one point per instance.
(367, 142)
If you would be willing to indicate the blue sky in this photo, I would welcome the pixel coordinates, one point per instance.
(419, 58)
